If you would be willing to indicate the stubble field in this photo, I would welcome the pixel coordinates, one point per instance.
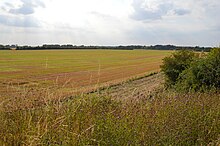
(29, 78)
(74, 69)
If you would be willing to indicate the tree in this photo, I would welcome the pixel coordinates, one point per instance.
(203, 74)
(175, 64)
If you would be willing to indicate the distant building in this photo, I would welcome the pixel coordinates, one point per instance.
(13, 48)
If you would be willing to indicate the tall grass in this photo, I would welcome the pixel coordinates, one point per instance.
(165, 118)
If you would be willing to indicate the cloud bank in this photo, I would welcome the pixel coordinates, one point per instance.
(152, 10)
(110, 22)
(19, 14)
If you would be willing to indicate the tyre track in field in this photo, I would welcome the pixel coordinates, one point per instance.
(135, 89)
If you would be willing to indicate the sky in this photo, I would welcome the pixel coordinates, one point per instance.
(110, 22)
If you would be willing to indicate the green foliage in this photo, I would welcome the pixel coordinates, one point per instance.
(175, 64)
(203, 74)
(187, 72)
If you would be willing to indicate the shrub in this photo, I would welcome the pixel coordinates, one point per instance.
(175, 64)
(203, 74)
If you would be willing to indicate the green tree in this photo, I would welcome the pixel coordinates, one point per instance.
(175, 64)
(203, 74)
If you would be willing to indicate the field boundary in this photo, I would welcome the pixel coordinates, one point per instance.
(123, 82)
(110, 85)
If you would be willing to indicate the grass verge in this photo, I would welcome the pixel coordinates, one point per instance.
(167, 118)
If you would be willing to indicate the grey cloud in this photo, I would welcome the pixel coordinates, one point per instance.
(19, 21)
(9, 4)
(26, 8)
(181, 11)
(33, 3)
(143, 14)
(20, 17)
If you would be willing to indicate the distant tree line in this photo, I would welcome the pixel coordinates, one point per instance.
(172, 47)
(128, 47)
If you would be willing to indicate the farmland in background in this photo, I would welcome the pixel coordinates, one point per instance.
(73, 69)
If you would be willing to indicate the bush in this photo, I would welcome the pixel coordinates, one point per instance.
(175, 64)
(203, 74)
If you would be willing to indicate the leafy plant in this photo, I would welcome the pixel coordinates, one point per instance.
(175, 64)
(203, 74)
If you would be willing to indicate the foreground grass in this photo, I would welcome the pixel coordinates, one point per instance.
(166, 118)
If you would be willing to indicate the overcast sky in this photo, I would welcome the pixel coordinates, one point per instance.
(110, 22)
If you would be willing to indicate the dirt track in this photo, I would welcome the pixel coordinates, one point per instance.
(136, 88)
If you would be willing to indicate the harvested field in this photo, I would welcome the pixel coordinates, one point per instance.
(72, 71)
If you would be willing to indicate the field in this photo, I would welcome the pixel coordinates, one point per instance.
(39, 104)
(74, 69)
